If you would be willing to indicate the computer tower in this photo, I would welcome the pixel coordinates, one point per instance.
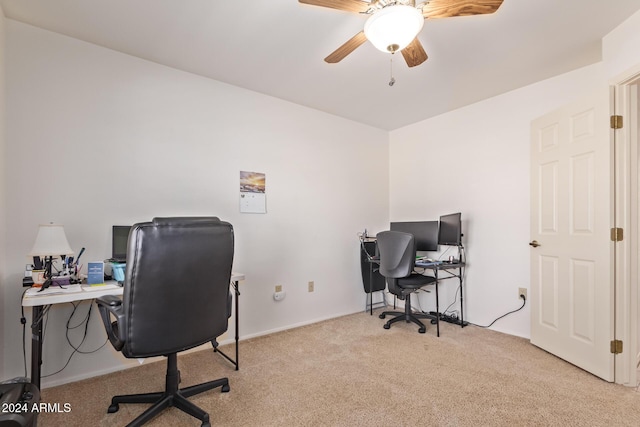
(372, 280)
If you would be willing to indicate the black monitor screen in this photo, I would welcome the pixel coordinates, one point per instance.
(425, 233)
(120, 237)
(450, 230)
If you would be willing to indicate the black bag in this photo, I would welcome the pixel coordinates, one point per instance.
(19, 404)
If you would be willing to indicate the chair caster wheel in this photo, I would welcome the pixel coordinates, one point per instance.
(382, 316)
(422, 330)
(225, 388)
(386, 326)
(434, 321)
(113, 408)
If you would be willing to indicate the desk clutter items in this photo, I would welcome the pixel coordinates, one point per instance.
(37, 277)
(117, 271)
(53, 290)
(53, 263)
(95, 273)
(50, 245)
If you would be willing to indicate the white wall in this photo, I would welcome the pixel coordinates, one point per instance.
(475, 160)
(620, 51)
(3, 180)
(97, 138)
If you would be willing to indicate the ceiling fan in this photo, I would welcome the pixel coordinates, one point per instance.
(393, 25)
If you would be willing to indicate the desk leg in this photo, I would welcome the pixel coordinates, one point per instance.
(437, 306)
(235, 287)
(36, 344)
(370, 295)
(214, 343)
(461, 299)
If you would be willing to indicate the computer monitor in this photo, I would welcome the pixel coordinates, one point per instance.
(119, 240)
(450, 230)
(425, 233)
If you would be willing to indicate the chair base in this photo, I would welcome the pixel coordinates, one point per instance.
(172, 396)
(408, 315)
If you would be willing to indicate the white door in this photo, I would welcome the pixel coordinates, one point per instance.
(572, 286)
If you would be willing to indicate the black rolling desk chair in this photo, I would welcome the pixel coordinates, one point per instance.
(176, 292)
(397, 261)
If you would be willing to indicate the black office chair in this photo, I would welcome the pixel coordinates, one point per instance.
(176, 291)
(397, 262)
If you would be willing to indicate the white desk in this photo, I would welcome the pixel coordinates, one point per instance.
(73, 293)
(70, 293)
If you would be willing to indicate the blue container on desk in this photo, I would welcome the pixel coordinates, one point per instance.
(117, 271)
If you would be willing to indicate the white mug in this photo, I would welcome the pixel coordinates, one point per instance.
(38, 277)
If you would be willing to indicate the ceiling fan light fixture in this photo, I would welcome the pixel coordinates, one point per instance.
(394, 27)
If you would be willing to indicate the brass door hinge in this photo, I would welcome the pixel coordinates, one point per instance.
(617, 234)
(616, 122)
(616, 346)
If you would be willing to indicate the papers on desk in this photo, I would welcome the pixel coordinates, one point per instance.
(106, 286)
(69, 289)
(425, 263)
(53, 290)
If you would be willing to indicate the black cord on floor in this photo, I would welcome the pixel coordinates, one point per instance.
(455, 298)
(524, 301)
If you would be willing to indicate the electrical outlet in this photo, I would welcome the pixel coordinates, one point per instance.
(279, 294)
(522, 292)
(311, 286)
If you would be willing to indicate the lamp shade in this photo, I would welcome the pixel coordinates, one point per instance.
(394, 27)
(51, 241)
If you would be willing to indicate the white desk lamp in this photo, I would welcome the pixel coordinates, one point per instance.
(50, 242)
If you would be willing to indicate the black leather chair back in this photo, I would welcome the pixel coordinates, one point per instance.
(176, 284)
(397, 257)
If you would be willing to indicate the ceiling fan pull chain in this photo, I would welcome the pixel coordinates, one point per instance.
(392, 80)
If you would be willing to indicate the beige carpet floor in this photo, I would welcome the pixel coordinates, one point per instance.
(350, 371)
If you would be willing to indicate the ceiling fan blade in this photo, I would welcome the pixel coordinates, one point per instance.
(448, 8)
(344, 50)
(414, 54)
(346, 5)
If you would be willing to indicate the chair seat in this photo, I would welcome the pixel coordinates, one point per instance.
(415, 281)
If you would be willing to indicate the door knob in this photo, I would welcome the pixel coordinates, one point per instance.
(534, 243)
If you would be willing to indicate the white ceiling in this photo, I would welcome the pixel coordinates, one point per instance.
(277, 47)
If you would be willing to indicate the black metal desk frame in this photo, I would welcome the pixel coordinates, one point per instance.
(449, 268)
(235, 362)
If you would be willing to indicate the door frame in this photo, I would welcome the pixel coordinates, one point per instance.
(625, 89)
